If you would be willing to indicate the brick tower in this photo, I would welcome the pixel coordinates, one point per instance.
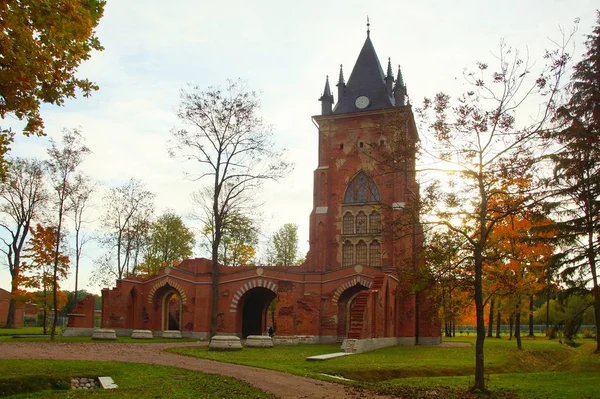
(364, 181)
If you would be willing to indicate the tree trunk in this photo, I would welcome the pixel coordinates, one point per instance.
(491, 319)
(510, 326)
(531, 334)
(55, 270)
(215, 291)
(12, 307)
(479, 383)
(498, 322)
(518, 326)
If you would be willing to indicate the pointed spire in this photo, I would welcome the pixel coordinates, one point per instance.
(368, 27)
(400, 90)
(326, 99)
(389, 78)
(341, 84)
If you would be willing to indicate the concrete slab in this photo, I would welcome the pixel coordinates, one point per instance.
(225, 343)
(107, 383)
(171, 334)
(104, 334)
(259, 341)
(141, 334)
(328, 356)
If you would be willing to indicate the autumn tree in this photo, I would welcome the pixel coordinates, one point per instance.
(480, 146)
(39, 271)
(518, 257)
(126, 220)
(283, 248)
(63, 165)
(169, 241)
(449, 264)
(232, 147)
(577, 170)
(22, 198)
(42, 44)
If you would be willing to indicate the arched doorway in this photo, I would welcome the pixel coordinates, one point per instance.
(172, 309)
(254, 305)
(345, 304)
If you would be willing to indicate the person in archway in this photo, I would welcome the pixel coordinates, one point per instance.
(271, 331)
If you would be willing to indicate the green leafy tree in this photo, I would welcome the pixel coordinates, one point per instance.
(577, 171)
(170, 241)
(284, 246)
(239, 241)
(42, 44)
(233, 149)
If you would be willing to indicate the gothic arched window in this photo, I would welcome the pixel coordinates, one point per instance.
(362, 189)
(374, 222)
(375, 254)
(361, 223)
(348, 224)
(361, 253)
(347, 253)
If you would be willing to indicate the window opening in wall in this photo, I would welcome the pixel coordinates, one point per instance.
(361, 144)
(362, 189)
(361, 223)
(382, 143)
(348, 224)
(374, 222)
(375, 254)
(342, 146)
(361, 253)
(347, 253)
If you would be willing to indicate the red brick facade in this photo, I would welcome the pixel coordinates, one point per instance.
(358, 277)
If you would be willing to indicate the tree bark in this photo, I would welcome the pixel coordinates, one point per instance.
(518, 326)
(511, 319)
(531, 334)
(491, 319)
(498, 322)
(479, 355)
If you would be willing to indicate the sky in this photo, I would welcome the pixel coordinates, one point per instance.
(284, 50)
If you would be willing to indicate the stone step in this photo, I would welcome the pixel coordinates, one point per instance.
(327, 356)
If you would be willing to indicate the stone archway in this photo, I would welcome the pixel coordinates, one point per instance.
(172, 310)
(350, 309)
(254, 305)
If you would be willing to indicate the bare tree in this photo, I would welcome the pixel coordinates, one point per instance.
(226, 137)
(128, 211)
(488, 155)
(22, 197)
(79, 204)
(62, 167)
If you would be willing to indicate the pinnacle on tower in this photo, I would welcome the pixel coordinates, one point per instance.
(400, 90)
(326, 99)
(341, 84)
(389, 78)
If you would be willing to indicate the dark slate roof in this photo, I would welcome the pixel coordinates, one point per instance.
(366, 79)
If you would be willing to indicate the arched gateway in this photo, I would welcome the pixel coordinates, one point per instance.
(352, 283)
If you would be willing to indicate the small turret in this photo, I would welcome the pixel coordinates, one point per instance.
(400, 90)
(326, 99)
(389, 78)
(341, 84)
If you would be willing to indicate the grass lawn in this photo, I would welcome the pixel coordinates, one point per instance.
(545, 369)
(41, 378)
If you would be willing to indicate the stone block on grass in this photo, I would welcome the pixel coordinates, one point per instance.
(225, 343)
(141, 334)
(172, 334)
(104, 334)
(259, 341)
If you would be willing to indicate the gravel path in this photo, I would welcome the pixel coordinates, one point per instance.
(280, 385)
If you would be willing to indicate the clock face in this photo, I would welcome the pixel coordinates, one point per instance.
(362, 102)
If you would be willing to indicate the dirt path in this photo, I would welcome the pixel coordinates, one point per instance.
(279, 384)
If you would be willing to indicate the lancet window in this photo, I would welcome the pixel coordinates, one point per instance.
(347, 253)
(375, 254)
(374, 222)
(361, 223)
(348, 223)
(361, 253)
(362, 188)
